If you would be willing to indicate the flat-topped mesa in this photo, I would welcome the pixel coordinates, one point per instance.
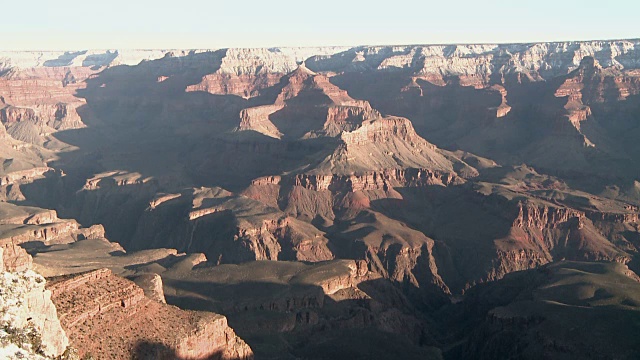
(383, 130)
(42, 232)
(358, 272)
(18, 215)
(106, 314)
(24, 175)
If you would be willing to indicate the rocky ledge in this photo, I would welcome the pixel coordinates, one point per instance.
(110, 317)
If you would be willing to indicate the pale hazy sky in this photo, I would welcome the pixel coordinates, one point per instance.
(93, 24)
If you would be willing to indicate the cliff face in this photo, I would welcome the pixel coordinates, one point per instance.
(478, 64)
(382, 180)
(27, 310)
(590, 84)
(98, 303)
(43, 98)
(553, 58)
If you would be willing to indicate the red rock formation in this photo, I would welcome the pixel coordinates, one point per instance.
(532, 216)
(257, 118)
(110, 317)
(591, 84)
(546, 233)
(43, 95)
(246, 86)
(382, 130)
(152, 286)
(92, 232)
(503, 109)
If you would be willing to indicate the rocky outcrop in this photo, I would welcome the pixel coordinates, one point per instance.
(152, 286)
(15, 258)
(24, 175)
(61, 230)
(160, 198)
(545, 217)
(27, 311)
(26, 224)
(90, 304)
(246, 72)
(257, 119)
(503, 109)
(358, 272)
(92, 232)
(383, 130)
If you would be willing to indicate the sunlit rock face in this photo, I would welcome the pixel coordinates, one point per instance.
(30, 325)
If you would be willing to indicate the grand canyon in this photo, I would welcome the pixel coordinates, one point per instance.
(372, 202)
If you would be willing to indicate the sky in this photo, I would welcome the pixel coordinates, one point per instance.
(189, 24)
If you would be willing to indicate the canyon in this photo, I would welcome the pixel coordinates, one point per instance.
(336, 202)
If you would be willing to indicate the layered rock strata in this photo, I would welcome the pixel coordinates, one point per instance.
(110, 317)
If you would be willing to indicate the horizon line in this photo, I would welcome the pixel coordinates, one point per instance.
(616, 39)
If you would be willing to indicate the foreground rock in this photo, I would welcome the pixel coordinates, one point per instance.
(29, 322)
(109, 317)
